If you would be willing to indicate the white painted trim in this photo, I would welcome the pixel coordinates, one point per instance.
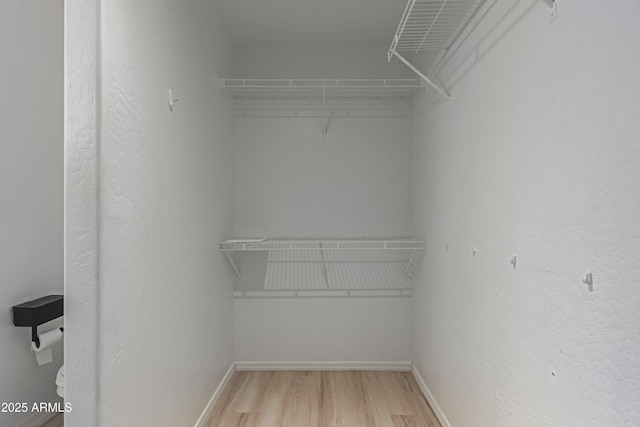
(323, 366)
(82, 205)
(429, 396)
(215, 396)
(39, 418)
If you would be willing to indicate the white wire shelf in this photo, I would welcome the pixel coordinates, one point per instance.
(428, 25)
(432, 24)
(324, 98)
(286, 267)
(322, 90)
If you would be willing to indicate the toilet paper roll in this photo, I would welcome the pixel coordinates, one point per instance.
(47, 339)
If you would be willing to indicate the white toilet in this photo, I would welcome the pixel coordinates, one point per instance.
(60, 382)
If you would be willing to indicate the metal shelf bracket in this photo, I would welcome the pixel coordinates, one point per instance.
(441, 91)
(233, 264)
(325, 120)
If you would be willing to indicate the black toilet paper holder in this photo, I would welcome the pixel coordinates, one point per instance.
(38, 311)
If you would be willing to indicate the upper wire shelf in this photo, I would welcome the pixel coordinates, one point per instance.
(431, 24)
(322, 89)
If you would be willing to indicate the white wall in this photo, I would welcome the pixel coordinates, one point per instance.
(31, 82)
(537, 155)
(322, 329)
(291, 180)
(316, 61)
(166, 195)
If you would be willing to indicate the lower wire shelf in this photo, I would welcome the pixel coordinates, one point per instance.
(324, 267)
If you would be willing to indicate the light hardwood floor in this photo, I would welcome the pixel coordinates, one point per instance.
(57, 421)
(322, 399)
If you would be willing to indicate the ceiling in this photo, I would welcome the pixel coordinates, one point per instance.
(311, 21)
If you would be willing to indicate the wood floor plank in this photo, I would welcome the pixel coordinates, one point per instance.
(303, 407)
(253, 389)
(274, 409)
(57, 421)
(404, 421)
(322, 399)
(327, 410)
(351, 405)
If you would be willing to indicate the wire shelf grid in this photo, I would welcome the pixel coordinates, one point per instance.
(321, 90)
(358, 266)
(432, 24)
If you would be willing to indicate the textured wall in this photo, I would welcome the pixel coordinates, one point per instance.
(537, 155)
(31, 162)
(166, 194)
(82, 103)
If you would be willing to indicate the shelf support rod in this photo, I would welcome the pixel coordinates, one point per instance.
(325, 125)
(324, 267)
(233, 264)
(440, 90)
(406, 270)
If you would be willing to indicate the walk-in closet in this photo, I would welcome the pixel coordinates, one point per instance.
(337, 213)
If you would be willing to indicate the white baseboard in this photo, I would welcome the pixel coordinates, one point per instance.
(432, 400)
(39, 418)
(216, 394)
(323, 366)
